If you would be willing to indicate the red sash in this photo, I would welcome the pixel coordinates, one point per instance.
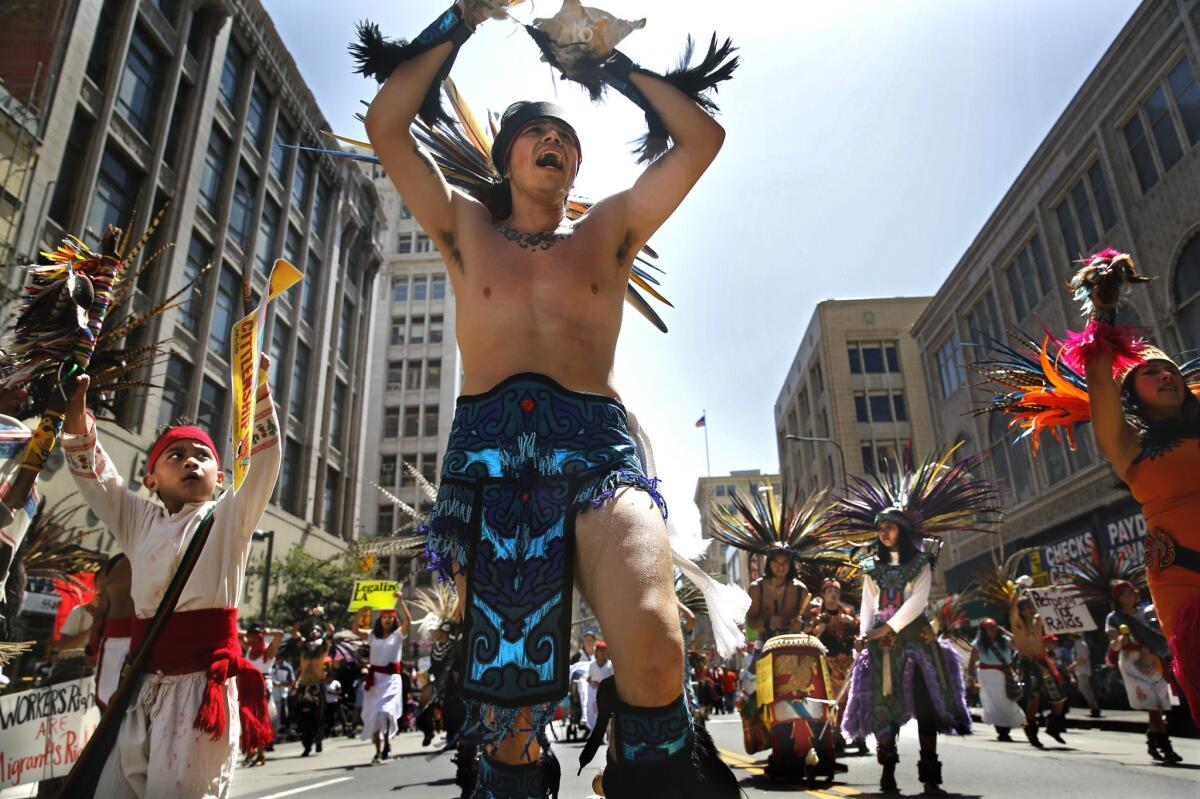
(391, 668)
(118, 628)
(992, 666)
(207, 640)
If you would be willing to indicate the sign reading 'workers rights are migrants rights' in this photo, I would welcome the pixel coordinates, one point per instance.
(43, 731)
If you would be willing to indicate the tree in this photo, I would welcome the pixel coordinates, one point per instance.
(301, 581)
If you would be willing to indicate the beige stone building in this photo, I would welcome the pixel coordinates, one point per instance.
(855, 381)
(1120, 168)
(193, 102)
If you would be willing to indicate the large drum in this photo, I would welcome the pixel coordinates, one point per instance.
(796, 704)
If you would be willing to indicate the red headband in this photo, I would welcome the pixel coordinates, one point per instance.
(183, 433)
(1120, 585)
(383, 613)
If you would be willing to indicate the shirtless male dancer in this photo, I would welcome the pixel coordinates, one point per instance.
(1037, 671)
(778, 600)
(540, 471)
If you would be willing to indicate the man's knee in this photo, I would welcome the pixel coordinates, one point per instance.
(651, 673)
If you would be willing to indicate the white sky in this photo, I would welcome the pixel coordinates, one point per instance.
(868, 141)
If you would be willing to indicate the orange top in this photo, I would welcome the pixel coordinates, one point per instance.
(1166, 481)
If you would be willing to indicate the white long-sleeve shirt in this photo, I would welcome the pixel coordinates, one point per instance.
(154, 540)
(916, 598)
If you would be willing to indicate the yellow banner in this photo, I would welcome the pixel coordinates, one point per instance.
(247, 344)
(374, 595)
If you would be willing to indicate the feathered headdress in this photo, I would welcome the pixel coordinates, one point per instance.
(999, 584)
(52, 551)
(814, 574)
(1043, 394)
(462, 150)
(951, 618)
(438, 603)
(762, 526)
(934, 499)
(1092, 579)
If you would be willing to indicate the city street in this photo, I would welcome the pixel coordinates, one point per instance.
(1094, 764)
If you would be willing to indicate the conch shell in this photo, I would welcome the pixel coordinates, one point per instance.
(590, 29)
(485, 9)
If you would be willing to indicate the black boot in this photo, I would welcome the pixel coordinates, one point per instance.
(888, 757)
(501, 781)
(1056, 725)
(1159, 744)
(551, 772)
(929, 772)
(1032, 734)
(660, 754)
(1002, 734)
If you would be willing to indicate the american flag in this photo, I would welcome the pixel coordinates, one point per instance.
(700, 422)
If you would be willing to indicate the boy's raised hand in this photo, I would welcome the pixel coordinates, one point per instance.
(75, 421)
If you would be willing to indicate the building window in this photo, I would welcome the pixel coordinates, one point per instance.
(137, 97)
(291, 246)
(387, 470)
(950, 365)
(404, 243)
(210, 416)
(280, 333)
(298, 399)
(279, 150)
(412, 378)
(431, 420)
(312, 287)
(435, 328)
(983, 321)
(102, 44)
(855, 361)
(416, 333)
(1087, 201)
(412, 421)
(1186, 92)
(398, 330)
(214, 168)
(228, 300)
(383, 520)
(256, 115)
(433, 374)
(329, 518)
(873, 357)
(391, 423)
(395, 374)
(1187, 293)
(337, 415)
(241, 211)
(176, 387)
(899, 408)
(266, 249)
(860, 407)
(420, 287)
(400, 289)
(1028, 278)
(192, 308)
(71, 167)
(231, 74)
(437, 287)
(321, 209)
(116, 194)
(1011, 463)
(881, 407)
(423, 244)
(346, 331)
(289, 477)
(300, 182)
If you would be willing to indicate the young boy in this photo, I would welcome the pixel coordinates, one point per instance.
(180, 734)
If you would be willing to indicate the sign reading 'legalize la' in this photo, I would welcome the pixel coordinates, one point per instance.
(1062, 610)
(42, 731)
(374, 594)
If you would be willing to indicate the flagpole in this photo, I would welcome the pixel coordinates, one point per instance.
(707, 459)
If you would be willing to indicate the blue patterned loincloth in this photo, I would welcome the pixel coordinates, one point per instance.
(522, 459)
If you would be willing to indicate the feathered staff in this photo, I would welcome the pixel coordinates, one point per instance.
(399, 543)
(936, 498)
(581, 43)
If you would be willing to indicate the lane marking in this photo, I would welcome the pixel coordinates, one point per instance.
(304, 788)
(845, 790)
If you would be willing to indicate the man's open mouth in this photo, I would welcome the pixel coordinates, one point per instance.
(552, 159)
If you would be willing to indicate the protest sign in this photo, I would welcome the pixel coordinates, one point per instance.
(1062, 610)
(247, 344)
(374, 594)
(42, 731)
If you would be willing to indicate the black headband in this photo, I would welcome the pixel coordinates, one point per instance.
(517, 116)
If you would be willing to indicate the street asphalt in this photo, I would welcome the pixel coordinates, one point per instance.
(1093, 764)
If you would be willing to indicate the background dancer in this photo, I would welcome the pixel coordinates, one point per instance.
(261, 654)
(517, 266)
(904, 670)
(383, 699)
(1141, 652)
(113, 626)
(187, 677)
(309, 702)
(1042, 682)
(991, 669)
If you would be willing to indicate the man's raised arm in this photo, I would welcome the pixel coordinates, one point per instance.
(696, 139)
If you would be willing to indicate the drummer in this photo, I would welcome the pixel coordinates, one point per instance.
(778, 600)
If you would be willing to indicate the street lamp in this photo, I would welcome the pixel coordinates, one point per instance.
(819, 440)
(269, 537)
